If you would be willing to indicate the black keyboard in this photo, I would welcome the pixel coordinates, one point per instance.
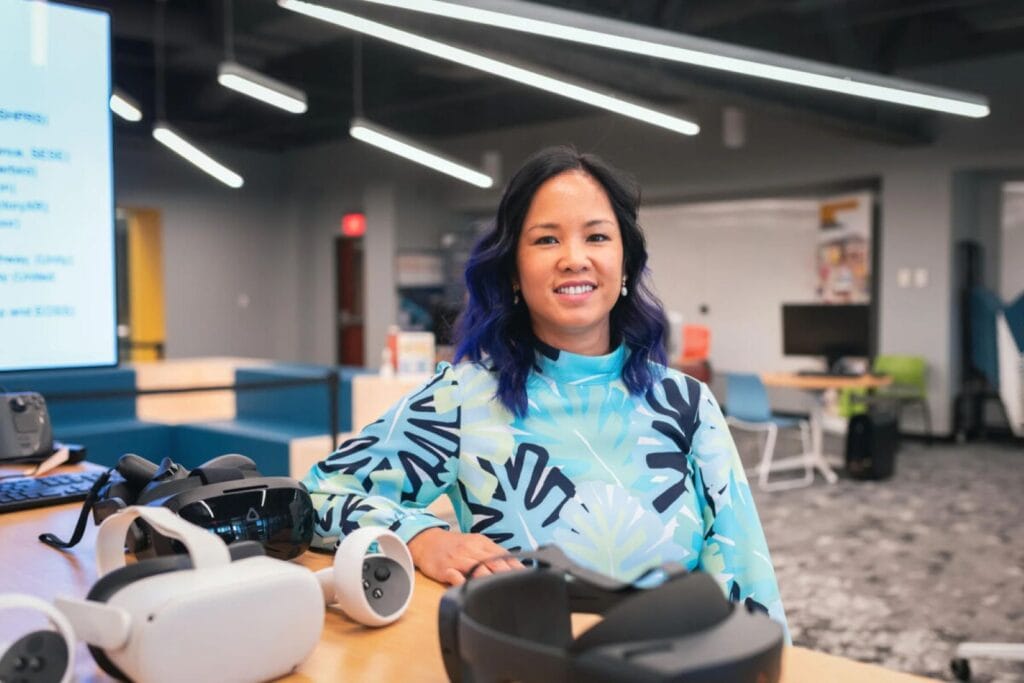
(32, 492)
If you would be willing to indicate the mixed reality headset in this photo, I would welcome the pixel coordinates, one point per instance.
(213, 613)
(226, 495)
(517, 626)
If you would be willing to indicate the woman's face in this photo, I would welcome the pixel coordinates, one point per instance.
(569, 263)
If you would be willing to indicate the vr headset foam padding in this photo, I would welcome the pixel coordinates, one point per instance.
(517, 626)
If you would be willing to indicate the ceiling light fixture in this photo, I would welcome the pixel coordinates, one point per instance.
(371, 133)
(249, 82)
(174, 141)
(125, 106)
(701, 52)
(166, 135)
(264, 88)
(495, 67)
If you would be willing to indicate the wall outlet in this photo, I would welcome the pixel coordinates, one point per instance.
(920, 277)
(903, 277)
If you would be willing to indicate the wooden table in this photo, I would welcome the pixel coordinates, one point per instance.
(406, 651)
(817, 385)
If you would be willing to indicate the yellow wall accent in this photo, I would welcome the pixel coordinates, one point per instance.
(145, 281)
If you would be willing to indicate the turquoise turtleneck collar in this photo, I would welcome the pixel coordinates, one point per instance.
(573, 368)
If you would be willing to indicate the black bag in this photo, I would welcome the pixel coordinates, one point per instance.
(872, 440)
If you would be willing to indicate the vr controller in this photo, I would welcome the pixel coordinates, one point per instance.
(25, 430)
(46, 656)
(226, 495)
(373, 589)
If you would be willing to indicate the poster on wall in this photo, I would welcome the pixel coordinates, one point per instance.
(844, 249)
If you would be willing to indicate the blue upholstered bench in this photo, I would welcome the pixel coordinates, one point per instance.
(268, 420)
(107, 427)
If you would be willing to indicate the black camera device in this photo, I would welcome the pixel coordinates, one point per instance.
(25, 431)
(517, 626)
(227, 495)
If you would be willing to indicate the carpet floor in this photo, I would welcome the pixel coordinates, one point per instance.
(898, 572)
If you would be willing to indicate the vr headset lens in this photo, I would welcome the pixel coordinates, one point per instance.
(280, 519)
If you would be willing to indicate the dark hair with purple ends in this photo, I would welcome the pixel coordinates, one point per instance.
(493, 326)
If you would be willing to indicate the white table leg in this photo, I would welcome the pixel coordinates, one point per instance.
(817, 453)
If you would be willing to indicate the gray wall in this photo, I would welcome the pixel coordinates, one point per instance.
(404, 209)
(284, 220)
(230, 258)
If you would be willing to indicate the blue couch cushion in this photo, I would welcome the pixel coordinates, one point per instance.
(267, 444)
(303, 407)
(105, 442)
(70, 412)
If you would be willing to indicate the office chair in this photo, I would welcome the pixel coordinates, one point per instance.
(909, 383)
(747, 407)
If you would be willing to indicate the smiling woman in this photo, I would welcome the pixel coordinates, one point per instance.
(569, 264)
(559, 422)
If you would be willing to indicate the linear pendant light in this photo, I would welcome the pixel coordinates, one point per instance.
(174, 141)
(381, 137)
(125, 106)
(668, 45)
(169, 137)
(250, 82)
(261, 87)
(495, 67)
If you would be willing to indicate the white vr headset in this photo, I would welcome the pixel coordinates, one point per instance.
(224, 613)
(217, 613)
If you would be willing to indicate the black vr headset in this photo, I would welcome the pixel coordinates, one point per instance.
(226, 495)
(516, 626)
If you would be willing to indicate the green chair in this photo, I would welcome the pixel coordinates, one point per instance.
(909, 383)
(909, 386)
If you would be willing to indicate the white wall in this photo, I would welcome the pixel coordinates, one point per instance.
(1012, 250)
(742, 259)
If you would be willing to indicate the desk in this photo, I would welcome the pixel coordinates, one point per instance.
(406, 651)
(817, 384)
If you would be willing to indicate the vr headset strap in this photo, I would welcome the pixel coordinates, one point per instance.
(54, 542)
(204, 548)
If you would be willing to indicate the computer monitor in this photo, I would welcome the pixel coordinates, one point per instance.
(57, 270)
(829, 330)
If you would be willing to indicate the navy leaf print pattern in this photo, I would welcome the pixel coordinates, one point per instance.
(349, 506)
(342, 460)
(685, 420)
(484, 517)
(543, 482)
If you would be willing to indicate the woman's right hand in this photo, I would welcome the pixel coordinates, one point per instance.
(448, 556)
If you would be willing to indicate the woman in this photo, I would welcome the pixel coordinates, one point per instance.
(562, 423)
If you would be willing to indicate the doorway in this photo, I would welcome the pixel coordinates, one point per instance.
(141, 326)
(348, 269)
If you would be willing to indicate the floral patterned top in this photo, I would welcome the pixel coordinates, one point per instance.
(621, 483)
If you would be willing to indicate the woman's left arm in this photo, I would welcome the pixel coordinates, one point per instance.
(735, 552)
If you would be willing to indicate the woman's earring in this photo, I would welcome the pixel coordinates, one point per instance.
(624, 290)
(515, 296)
